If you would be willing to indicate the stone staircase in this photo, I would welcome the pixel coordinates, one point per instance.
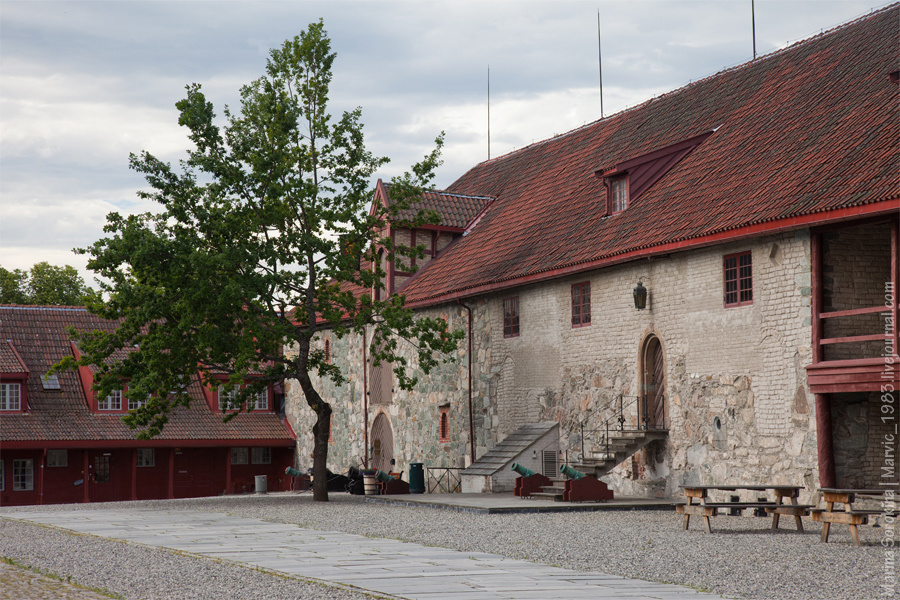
(623, 444)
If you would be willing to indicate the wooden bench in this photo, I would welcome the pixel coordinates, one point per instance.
(708, 509)
(847, 515)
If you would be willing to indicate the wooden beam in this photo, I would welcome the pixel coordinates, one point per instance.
(825, 441)
(855, 311)
(855, 338)
(815, 259)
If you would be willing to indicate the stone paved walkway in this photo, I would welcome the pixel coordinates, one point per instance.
(391, 567)
(17, 583)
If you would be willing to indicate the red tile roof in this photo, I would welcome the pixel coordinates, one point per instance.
(10, 361)
(40, 336)
(456, 210)
(806, 130)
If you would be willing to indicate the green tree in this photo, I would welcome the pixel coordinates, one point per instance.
(13, 286)
(44, 284)
(244, 259)
(50, 284)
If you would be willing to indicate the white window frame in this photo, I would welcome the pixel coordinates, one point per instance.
(259, 401)
(146, 457)
(135, 404)
(23, 475)
(112, 402)
(230, 396)
(10, 401)
(261, 456)
(240, 456)
(57, 457)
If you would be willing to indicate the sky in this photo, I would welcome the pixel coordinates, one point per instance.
(83, 84)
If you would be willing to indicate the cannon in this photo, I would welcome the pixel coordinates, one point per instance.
(570, 472)
(523, 471)
(529, 482)
(383, 477)
(293, 472)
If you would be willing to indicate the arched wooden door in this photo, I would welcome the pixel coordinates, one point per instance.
(653, 402)
(382, 443)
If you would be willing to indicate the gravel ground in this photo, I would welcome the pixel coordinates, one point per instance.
(743, 558)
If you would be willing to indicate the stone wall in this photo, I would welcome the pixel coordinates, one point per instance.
(864, 443)
(736, 397)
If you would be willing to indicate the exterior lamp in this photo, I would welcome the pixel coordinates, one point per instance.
(640, 296)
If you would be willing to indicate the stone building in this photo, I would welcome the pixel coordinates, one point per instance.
(757, 213)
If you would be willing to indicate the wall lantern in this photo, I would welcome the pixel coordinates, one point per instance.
(640, 296)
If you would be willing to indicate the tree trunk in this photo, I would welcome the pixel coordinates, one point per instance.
(320, 438)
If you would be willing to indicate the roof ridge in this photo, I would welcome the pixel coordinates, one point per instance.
(43, 307)
(691, 84)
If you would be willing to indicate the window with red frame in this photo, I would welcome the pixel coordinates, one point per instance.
(444, 425)
(738, 279)
(511, 317)
(618, 190)
(581, 304)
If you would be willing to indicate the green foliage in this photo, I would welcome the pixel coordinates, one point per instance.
(244, 258)
(44, 284)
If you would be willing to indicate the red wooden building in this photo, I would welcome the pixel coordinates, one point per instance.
(60, 443)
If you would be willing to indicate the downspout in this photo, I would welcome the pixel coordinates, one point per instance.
(365, 402)
(471, 416)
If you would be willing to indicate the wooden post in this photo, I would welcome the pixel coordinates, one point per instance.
(134, 474)
(171, 473)
(815, 260)
(825, 441)
(86, 477)
(895, 280)
(227, 470)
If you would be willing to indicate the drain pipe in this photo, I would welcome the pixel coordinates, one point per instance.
(365, 367)
(471, 416)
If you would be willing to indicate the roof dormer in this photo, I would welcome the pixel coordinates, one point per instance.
(13, 380)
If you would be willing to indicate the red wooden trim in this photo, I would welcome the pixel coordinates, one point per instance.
(852, 362)
(843, 388)
(815, 259)
(227, 453)
(855, 338)
(134, 474)
(737, 234)
(171, 490)
(85, 477)
(833, 378)
(855, 311)
(41, 469)
(845, 370)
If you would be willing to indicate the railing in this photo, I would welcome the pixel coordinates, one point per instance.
(444, 479)
(618, 405)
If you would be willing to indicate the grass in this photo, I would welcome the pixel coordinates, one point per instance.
(55, 577)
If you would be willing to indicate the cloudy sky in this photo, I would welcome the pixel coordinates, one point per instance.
(82, 84)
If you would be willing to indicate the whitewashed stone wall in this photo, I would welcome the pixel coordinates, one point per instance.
(743, 366)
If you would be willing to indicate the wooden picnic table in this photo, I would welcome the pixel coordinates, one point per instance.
(846, 515)
(708, 509)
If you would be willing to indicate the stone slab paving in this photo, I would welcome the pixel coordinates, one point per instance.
(391, 567)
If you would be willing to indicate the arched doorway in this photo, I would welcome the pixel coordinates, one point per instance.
(653, 413)
(382, 443)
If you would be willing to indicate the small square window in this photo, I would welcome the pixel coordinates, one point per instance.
(581, 304)
(511, 317)
(57, 458)
(738, 278)
(261, 456)
(10, 396)
(240, 456)
(146, 457)
(618, 191)
(23, 475)
(50, 382)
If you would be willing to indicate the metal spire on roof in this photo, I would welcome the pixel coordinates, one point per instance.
(753, 19)
(489, 111)
(600, 62)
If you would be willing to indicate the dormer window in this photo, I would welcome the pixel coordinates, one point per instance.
(111, 402)
(10, 396)
(618, 193)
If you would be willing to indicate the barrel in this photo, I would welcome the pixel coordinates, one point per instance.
(370, 484)
(416, 478)
(261, 484)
